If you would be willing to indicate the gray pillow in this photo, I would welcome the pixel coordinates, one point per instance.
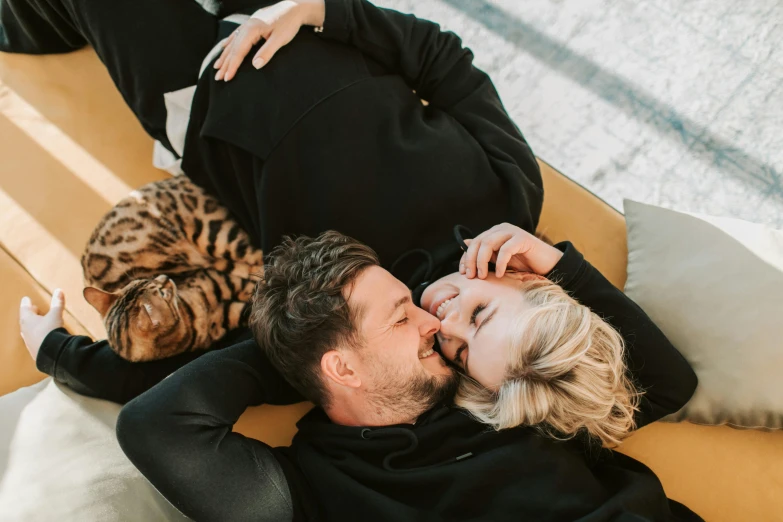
(61, 461)
(715, 288)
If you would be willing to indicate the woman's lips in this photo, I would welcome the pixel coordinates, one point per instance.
(435, 304)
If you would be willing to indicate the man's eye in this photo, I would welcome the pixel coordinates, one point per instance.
(458, 356)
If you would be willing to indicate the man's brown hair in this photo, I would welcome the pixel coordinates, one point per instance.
(299, 311)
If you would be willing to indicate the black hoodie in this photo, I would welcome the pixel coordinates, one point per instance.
(330, 136)
(445, 467)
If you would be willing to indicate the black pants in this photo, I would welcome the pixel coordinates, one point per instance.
(150, 47)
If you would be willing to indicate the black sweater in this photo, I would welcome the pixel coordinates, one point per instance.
(330, 135)
(445, 467)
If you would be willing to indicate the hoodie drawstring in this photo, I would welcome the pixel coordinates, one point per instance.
(368, 434)
(418, 281)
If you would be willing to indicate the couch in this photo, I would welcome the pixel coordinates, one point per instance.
(69, 149)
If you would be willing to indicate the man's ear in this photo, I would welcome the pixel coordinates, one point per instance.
(99, 299)
(339, 369)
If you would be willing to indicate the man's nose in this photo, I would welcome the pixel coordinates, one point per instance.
(428, 324)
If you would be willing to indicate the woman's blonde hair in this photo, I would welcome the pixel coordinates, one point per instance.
(565, 373)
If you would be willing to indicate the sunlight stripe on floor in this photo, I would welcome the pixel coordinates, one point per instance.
(50, 138)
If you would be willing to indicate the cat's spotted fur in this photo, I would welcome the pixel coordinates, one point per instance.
(169, 271)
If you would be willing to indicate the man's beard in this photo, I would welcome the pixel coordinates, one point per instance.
(419, 394)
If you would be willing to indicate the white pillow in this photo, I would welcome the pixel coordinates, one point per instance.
(61, 461)
(715, 288)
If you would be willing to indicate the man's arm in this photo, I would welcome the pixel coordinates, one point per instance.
(90, 368)
(656, 366)
(179, 431)
(93, 369)
(179, 435)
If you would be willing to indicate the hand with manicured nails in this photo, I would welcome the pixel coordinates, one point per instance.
(35, 327)
(509, 247)
(277, 24)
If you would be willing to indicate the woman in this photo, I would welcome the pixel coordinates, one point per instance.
(547, 360)
(565, 369)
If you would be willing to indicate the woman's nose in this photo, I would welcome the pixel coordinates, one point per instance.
(451, 326)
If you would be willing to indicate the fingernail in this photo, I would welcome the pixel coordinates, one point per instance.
(216, 66)
(468, 272)
(219, 75)
(462, 268)
(26, 301)
(58, 293)
(258, 63)
(481, 272)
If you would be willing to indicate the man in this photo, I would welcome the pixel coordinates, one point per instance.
(384, 443)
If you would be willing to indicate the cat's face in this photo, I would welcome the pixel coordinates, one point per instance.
(143, 320)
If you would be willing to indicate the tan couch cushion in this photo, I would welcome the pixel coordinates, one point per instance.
(722, 474)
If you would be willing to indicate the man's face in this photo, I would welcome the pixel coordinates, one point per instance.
(397, 362)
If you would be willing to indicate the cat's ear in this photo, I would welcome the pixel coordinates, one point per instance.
(99, 299)
(167, 285)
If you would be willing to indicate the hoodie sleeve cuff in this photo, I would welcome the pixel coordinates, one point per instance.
(571, 267)
(336, 19)
(51, 348)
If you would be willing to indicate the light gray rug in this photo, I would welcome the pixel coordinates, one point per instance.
(676, 103)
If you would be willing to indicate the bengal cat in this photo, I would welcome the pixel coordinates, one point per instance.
(169, 271)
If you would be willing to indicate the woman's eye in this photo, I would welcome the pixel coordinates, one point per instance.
(402, 321)
(476, 311)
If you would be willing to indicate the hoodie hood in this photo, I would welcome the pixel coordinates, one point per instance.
(449, 467)
(395, 448)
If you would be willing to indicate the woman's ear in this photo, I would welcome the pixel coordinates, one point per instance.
(523, 276)
(339, 369)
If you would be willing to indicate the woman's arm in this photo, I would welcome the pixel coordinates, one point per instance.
(656, 366)
(432, 62)
(179, 435)
(436, 65)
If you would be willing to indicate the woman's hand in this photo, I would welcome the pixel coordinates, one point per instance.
(277, 24)
(34, 326)
(507, 246)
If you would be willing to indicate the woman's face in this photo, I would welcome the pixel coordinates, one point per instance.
(475, 317)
